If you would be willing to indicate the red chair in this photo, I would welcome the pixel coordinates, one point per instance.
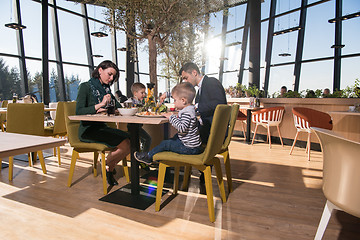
(242, 118)
(304, 119)
(268, 117)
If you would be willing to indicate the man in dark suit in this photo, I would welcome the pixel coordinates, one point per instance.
(210, 94)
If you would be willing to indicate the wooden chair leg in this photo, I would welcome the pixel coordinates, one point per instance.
(228, 170)
(11, 167)
(54, 152)
(160, 184)
(74, 156)
(42, 161)
(292, 147)
(96, 156)
(187, 173)
(0, 163)
(30, 160)
(126, 170)
(176, 179)
(103, 171)
(252, 142)
(58, 155)
(282, 144)
(269, 135)
(220, 179)
(309, 145)
(209, 193)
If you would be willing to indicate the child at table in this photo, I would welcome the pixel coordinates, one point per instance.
(138, 91)
(187, 140)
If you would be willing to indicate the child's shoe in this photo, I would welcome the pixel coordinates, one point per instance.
(143, 157)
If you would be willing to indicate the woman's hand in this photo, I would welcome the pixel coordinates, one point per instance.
(100, 107)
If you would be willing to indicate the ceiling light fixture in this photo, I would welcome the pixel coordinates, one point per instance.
(15, 26)
(345, 17)
(337, 46)
(286, 30)
(99, 34)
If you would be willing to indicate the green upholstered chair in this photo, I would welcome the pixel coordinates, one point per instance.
(202, 161)
(26, 118)
(224, 151)
(225, 147)
(59, 128)
(81, 147)
(3, 116)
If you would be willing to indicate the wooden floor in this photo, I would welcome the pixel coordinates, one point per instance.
(276, 196)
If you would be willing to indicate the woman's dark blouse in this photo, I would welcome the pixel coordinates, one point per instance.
(97, 132)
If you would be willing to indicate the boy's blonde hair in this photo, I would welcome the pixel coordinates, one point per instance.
(137, 87)
(184, 90)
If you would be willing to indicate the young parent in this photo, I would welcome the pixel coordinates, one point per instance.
(93, 96)
(187, 140)
(210, 94)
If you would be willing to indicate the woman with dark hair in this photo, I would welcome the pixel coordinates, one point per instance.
(93, 97)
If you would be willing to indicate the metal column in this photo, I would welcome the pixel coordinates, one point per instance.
(254, 49)
(45, 52)
(300, 45)
(114, 48)
(244, 45)
(337, 50)
(223, 43)
(58, 55)
(269, 45)
(87, 38)
(21, 50)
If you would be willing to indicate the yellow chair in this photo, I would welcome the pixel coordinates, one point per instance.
(202, 161)
(81, 147)
(3, 116)
(341, 178)
(59, 127)
(224, 151)
(26, 118)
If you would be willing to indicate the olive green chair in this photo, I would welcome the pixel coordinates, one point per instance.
(59, 128)
(81, 147)
(3, 116)
(26, 118)
(202, 161)
(224, 151)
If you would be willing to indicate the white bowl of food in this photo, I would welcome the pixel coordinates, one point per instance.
(127, 111)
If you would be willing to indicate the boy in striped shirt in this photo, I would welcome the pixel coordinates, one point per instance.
(187, 140)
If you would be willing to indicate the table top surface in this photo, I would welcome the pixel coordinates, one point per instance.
(12, 144)
(47, 109)
(120, 119)
(345, 113)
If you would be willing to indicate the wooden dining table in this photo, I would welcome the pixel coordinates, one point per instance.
(47, 109)
(249, 111)
(12, 144)
(134, 124)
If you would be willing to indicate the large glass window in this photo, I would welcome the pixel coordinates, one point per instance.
(349, 71)
(8, 35)
(72, 38)
(281, 76)
(316, 75)
(319, 33)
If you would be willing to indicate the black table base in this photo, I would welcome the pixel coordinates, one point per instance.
(141, 201)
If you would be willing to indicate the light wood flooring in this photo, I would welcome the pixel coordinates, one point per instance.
(276, 196)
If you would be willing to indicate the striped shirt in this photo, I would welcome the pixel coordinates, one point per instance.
(186, 124)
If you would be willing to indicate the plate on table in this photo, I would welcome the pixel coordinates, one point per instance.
(151, 115)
